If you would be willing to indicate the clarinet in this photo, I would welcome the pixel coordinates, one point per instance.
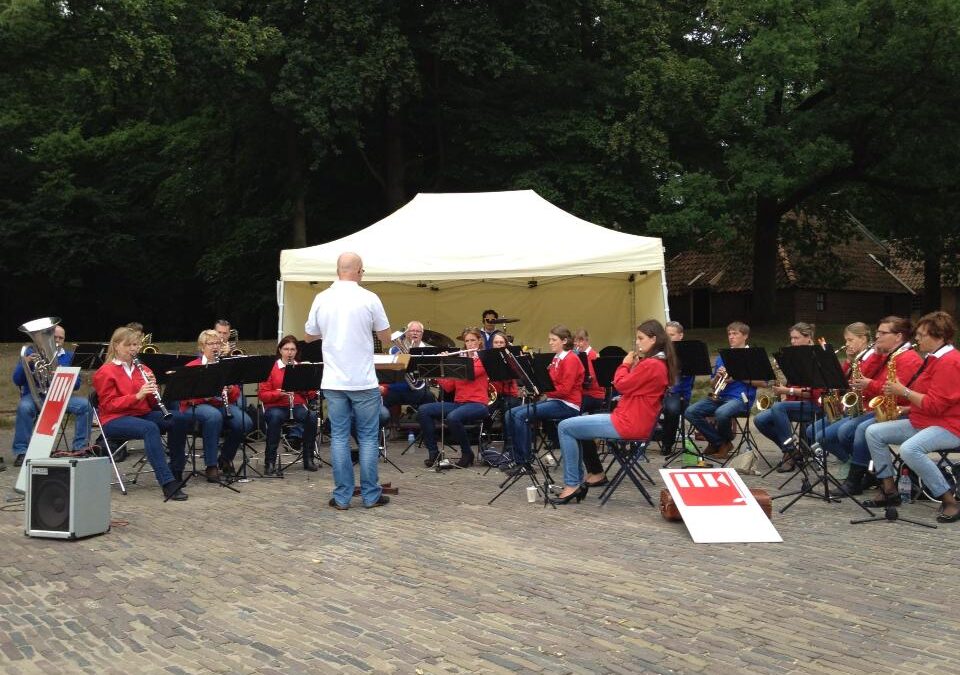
(143, 373)
(225, 398)
(290, 394)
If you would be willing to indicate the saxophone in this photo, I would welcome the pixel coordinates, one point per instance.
(884, 407)
(852, 402)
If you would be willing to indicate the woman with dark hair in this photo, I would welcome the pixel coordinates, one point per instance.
(933, 422)
(469, 404)
(641, 379)
(566, 373)
(278, 405)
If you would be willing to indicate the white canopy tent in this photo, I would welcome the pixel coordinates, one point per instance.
(444, 258)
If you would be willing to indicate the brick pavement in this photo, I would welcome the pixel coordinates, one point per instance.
(273, 581)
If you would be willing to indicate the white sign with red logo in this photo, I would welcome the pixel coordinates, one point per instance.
(49, 420)
(717, 507)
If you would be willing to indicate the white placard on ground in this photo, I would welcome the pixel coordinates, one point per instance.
(717, 507)
(49, 420)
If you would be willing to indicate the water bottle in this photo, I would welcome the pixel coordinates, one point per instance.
(411, 438)
(905, 485)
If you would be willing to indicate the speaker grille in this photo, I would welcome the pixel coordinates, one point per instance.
(50, 500)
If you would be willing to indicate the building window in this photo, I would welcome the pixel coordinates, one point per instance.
(821, 301)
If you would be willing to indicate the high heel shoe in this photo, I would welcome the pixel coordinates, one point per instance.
(577, 494)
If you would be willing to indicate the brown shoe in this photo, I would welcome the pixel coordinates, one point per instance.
(213, 474)
(723, 451)
(709, 449)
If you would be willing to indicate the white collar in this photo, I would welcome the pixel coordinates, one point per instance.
(945, 349)
(127, 367)
(562, 355)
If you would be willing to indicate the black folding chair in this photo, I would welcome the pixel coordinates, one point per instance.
(628, 454)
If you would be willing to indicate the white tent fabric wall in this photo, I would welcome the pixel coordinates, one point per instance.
(444, 258)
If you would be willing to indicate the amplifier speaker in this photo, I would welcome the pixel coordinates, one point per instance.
(67, 498)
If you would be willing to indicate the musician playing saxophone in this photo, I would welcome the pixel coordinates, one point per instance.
(933, 422)
(892, 340)
(127, 397)
(469, 404)
(734, 399)
(799, 405)
(211, 413)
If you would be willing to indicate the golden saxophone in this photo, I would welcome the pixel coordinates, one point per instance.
(885, 408)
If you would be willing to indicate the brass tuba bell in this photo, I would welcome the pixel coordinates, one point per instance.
(39, 370)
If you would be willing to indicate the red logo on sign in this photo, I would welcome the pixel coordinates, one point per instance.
(57, 397)
(707, 488)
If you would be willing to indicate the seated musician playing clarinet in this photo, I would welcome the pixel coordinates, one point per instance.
(129, 407)
(641, 379)
(215, 412)
(933, 421)
(566, 373)
(280, 406)
(469, 404)
(799, 405)
(729, 399)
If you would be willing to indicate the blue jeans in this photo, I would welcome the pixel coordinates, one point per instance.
(775, 422)
(456, 415)
(518, 422)
(914, 445)
(362, 408)
(853, 436)
(26, 420)
(149, 427)
(723, 412)
(211, 420)
(582, 428)
(827, 435)
(275, 417)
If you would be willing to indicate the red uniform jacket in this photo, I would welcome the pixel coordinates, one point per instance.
(594, 390)
(469, 391)
(907, 364)
(566, 373)
(940, 384)
(118, 393)
(233, 393)
(641, 390)
(508, 388)
(271, 396)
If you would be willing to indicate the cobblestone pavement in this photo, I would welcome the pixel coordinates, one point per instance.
(272, 580)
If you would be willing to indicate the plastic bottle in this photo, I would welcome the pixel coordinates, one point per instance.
(411, 438)
(905, 485)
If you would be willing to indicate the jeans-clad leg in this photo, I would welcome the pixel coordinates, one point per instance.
(697, 414)
(210, 420)
(859, 452)
(579, 428)
(880, 437)
(23, 427)
(465, 413)
(363, 409)
(146, 429)
(79, 407)
(914, 451)
(520, 416)
(238, 426)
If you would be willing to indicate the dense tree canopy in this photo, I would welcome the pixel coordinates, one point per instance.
(156, 155)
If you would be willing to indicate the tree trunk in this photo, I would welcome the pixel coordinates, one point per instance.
(765, 239)
(296, 188)
(931, 279)
(394, 191)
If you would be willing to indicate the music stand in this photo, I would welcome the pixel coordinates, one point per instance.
(745, 365)
(300, 377)
(163, 365)
(449, 368)
(310, 351)
(535, 378)
(694, 360)
(89, 355)
(193, 383)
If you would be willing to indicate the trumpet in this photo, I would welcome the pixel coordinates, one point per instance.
(462, 352)
(146, 378)
(721, 384)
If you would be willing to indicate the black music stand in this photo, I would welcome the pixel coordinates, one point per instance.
(163, 365)
(90, 355)
(694, 360)
(301, 377)
(535, 378)
(811, 366)
(450, 368)
(745, 365)
(192, 383)
(311, 352)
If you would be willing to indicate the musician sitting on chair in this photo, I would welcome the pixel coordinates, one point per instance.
(26, 418)
(732, 400)
(933, 422)
(641, 380)
(400, 393)
(469, 404)
(677, 397)
(566, 373)
(210, 413)
(800, 405)
(128, 408)
(508, 393)
(280, 406)
(489, 327)
(594, 398)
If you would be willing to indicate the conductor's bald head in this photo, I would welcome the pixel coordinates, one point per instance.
(349, 267)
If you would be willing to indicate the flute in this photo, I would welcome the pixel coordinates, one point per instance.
(143, 373)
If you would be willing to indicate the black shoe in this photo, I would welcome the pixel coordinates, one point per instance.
(430, 461)
(883, 500)
(853, 484)
(19, 460)
(173, 492)
(227, 468)
(382, 500)
(519, 469)
(269, 468)
(577, 494)
(465, 461)
(309, 464)
(333, 504)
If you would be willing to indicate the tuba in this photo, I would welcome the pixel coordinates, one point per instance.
(147, 346)
(885, 408)
(230, 347)
(39, 370)
(413, 381)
